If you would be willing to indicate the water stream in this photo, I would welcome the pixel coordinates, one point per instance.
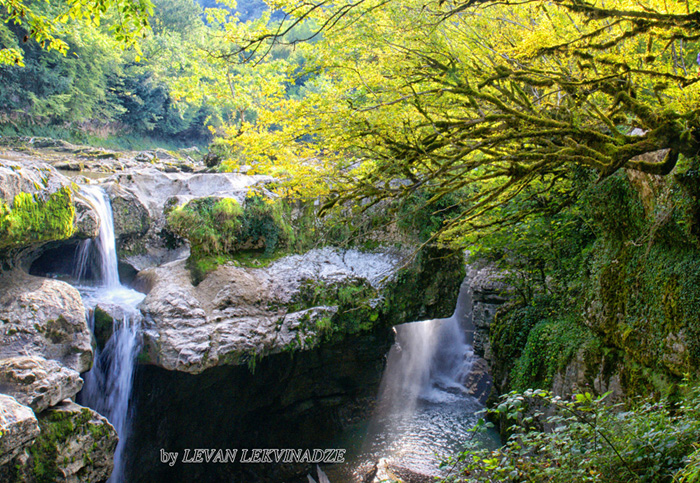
(108, 384)
(424, 411)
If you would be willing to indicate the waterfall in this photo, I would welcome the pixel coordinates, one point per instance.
(429, 360)
(424, 411)
(108, 384)
(104, 246)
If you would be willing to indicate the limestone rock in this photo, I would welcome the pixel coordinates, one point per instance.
(489, 292)
(28, 177)
(43, 317)
(38, 383)
(239, 313)
(87, 223)
(479, 382)
(75, 445)
(590, 372)
(131, 217)
(18, 428)
(141, 199)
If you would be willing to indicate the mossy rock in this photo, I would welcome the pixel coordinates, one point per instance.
(75, 444)
(31, 219)
(104, 326)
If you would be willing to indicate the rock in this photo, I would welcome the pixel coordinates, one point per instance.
(154, 188)
(29, 177)
(676, 356)
(141, 198)
(104, 325)
(161, 153)
(43, 317)
(75, 445)
(41, 207)
(479, 382)
(590, 372)
(87, 223)
(489, 293)
(145, 157)
(38, 383)
(388, 471)
(212, 160)
(236, 313)
(18, 428)
(131, 218)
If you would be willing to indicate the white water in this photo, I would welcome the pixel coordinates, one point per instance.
(108, 384)
(103, 248)
(424, 412)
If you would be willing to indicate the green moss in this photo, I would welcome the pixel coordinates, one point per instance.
(210, 224)
(220, 230)
(32, 219)
(356, 302)
(104, 326)
(56, 428)
(550, 346)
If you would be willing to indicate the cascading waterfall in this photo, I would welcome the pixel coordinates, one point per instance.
(104, 246)
(424, 410)
(108, 384)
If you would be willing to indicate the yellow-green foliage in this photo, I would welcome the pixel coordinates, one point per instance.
(32, 220)
(209, 224)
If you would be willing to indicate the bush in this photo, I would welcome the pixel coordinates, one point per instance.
(210, 224)
(587, 440)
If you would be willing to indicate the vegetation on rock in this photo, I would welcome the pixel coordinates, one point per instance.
(32, 220)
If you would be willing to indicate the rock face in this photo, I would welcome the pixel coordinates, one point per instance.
(141, 199)
(38, 205)
(28, 177)
(45, 318)
(238, 314)
(489, 293)
(18, 428)
(591, 372)
(38, 383)
(75, 445)
(291, 400)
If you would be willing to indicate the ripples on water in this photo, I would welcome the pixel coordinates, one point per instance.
(424, 412)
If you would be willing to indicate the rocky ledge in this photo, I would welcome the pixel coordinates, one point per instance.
(239, 315)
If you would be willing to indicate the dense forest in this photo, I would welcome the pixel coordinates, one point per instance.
(95, 91)
(557, 141)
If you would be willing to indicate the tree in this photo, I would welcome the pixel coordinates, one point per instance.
(499, 99)
(46, 23)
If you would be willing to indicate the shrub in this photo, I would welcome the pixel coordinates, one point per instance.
(587, 440)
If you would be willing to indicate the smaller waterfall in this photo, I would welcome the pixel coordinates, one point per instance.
(103, 248)
(429, 361)
(424, 410)
(107, 386)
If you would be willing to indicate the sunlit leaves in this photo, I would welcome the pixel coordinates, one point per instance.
(406, 95)
(45, 25)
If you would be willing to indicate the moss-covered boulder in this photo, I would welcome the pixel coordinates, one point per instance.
(38, 205)
(75, 445)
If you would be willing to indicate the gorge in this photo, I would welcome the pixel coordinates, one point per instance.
(242, 359)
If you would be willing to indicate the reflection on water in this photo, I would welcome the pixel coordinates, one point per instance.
(425, 412)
